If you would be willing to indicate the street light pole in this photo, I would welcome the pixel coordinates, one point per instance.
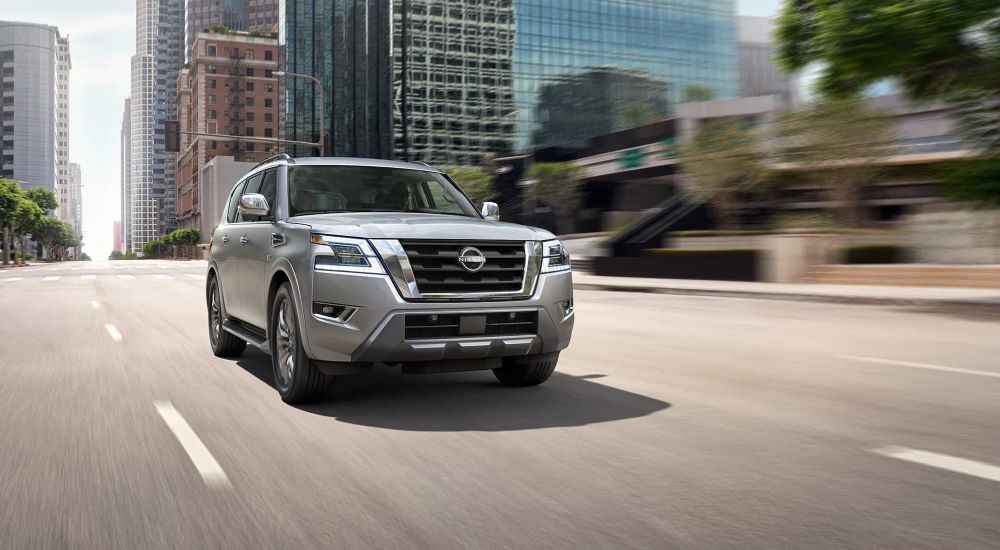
(322, 106)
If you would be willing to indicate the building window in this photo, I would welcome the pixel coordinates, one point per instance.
(250, 130)
(249, 54)
(268, 117)
(249, 71)
(268, 73)
(211, 83)
(268, 102)
(250, 116)
(211, 100)
(211, 50)
(249, 101)
(249, 86)
(268, 55)
(211, 114)
(268, 132)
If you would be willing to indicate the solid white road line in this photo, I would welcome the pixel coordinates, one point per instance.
(88, 277)
(74, 269)
(94, 304)
(126, 276)
(12, 279)
(924, 366)
(115, 335)
(158, 276)
(211, 473)
(52, 269)
(51, 278)
(945, 462)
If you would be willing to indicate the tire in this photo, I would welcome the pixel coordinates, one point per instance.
(223, 343)
(299, 381)
(529, 370)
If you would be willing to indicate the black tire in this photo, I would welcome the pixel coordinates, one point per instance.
(529, 370)
(301, 381)
(223, 343)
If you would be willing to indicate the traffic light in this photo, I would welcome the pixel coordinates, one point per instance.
(172, 136)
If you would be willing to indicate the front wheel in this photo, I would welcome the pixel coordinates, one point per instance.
(529, 370)
(295, 375)
(223, 343)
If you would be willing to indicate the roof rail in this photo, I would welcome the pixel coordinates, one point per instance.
(279, 156)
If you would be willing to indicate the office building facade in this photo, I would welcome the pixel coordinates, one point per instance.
(228, 89)
(34, 107)
(759, 74)
(155, 65)
(465, 77)
(255, 16)
(126, 176)
(74, 203)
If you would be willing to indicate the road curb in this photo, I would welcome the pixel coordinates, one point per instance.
(959, 306)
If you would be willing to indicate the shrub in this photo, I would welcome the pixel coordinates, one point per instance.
(874, 254)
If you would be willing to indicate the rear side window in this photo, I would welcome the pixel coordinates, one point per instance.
(233, 200)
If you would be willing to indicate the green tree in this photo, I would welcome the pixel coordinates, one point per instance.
(975, 181)
(155, 248)
(115, 255)
(933, 47)
(181, 239)
(45, 199)
(840, 145)
(476, 182)
(557, 184)
(697, 92)
(637, 113)
(11, 197)
(722, 162)
(55, 236)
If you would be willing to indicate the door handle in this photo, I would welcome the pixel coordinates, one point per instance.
(225, 238)
(244, 239)
(277, 239)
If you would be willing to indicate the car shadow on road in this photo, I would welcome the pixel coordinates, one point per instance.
(467, 401)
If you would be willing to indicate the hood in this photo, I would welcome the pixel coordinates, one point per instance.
(406, 225)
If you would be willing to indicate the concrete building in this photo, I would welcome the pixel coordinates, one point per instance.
(449, 82)
(228, 89)
(256, 16)
(126, 176)
(217, 178)
(34, 107)
(155, 65)
(759, 74)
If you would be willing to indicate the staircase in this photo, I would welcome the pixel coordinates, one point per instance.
(965, 276)
(679, 212)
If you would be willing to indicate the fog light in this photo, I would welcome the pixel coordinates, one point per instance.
(336, 313)
(567, 307)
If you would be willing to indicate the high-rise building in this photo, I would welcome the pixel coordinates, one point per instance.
(126, 176)
(759, 74)
(238, 15)
(116, 239)
(227, 89)
(34, 107)
(464, 78)
(74, 204)
(155, 65)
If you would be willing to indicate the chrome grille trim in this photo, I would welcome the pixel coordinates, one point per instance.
(398, 265)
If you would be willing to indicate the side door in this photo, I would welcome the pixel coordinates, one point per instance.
(256, 253)
(227, 242)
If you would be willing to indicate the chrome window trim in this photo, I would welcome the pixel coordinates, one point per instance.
(397, 263)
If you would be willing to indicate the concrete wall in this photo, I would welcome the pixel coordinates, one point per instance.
(218, 177)
(761, 241)
(954, 237)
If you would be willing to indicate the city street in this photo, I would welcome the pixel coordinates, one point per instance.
(671, 422)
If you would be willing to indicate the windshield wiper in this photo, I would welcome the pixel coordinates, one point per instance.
(436, 211)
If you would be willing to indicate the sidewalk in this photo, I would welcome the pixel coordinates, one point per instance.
(972, 300)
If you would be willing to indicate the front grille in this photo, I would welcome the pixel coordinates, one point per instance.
(436, 268)
(448, 325)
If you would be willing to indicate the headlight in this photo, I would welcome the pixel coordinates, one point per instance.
(555, 257)
(345, 254)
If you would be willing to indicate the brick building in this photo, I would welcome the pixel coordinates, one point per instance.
(228, 88)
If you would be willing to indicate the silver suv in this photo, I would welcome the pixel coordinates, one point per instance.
(333, 266)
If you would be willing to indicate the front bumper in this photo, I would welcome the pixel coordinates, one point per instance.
(376, 333)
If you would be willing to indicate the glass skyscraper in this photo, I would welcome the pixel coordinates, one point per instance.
(471, 77)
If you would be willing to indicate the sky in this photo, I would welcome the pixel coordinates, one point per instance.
(102, 41)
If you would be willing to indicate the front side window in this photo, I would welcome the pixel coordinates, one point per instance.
(234, 200)
(322, 189)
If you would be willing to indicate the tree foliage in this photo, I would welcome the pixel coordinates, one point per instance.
(935, 48)
(975, 181)
(557, 184)
(840, 145)
(45, 199)
(722, 163)
(477, 183)
(697, 92)
(55, 235)
(18, 214)
(116, 255)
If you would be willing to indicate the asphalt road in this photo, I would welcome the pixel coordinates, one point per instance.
(672, 422)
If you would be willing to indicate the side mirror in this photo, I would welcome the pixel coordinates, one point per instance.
(491, 211)
(254, 204)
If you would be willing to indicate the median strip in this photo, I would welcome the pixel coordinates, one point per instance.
(211, 472)
(943, 461)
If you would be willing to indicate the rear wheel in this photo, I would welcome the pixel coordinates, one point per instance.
(529, 370)
(223, 343)
(296, 376)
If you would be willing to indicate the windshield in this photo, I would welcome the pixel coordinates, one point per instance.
(322, 189)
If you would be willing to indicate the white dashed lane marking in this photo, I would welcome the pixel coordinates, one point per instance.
(88, 277)
(158, 276)
(126, 276)
(115, 335)
(924, 366)
(211, 473)
(94, 304)
(943, 461)
(51, 278)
